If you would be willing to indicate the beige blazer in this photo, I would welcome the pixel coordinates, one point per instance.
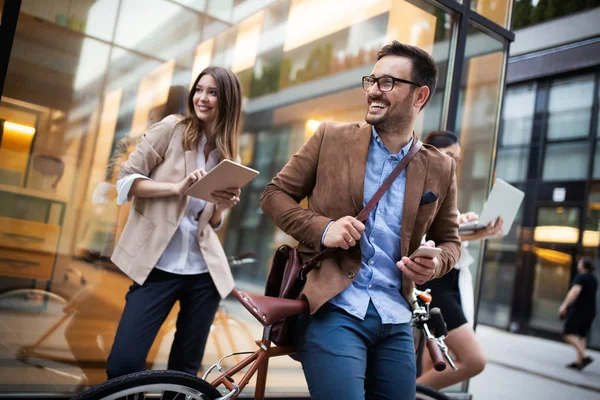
(330, 169)
(152, 222)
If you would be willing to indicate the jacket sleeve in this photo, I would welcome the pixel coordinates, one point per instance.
(444, 229)
(150, 150)
(280, 199)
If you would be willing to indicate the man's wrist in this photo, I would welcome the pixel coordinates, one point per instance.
(325, 233)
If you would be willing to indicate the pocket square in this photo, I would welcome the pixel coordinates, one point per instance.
(428, 198)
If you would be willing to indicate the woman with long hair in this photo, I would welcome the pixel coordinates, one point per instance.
(169, 247)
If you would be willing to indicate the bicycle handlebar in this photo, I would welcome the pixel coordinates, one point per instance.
(436, 355)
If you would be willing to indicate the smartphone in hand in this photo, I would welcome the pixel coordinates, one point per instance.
(425, 252)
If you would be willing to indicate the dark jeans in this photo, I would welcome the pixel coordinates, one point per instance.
(346, 358)
(146, 308)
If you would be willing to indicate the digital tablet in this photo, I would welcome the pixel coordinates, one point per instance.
(227, 174)
(504, 201)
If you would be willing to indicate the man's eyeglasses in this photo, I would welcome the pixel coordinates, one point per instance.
(384, 83)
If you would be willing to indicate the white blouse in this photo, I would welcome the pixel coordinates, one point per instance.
(182, 255)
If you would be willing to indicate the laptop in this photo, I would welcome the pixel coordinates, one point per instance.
(504, 201)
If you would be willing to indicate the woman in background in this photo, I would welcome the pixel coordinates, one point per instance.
(453, 293)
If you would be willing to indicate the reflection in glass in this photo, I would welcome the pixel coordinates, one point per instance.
(160, 28)
(494, 10)
(479, 105)
(569, 107)
(551, 283)
(512, 164)
(566, 161)
(95, 18)
(477, 114)
(556, 227)
(517, 115)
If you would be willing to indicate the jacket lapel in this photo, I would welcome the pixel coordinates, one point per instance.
(416, 171)
(358, 150)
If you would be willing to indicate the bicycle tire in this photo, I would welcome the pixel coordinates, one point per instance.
(427, 393)
(151, 381)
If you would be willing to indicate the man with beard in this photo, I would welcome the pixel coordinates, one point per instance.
(357, 341)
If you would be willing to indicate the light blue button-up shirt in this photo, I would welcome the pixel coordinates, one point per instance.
(379, 279)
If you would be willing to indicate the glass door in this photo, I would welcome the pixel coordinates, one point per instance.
(555, 248)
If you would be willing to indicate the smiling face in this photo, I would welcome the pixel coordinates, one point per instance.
(206, 102)
(386, 110)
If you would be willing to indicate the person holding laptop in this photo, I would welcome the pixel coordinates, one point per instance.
(456, 304)
(169, 247)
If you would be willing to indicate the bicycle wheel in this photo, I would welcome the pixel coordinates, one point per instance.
(35, 301)
(427, 393)
(151, 383)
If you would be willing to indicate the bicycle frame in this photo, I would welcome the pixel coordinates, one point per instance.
(259, 361)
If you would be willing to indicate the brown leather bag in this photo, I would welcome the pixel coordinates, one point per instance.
(288, 273)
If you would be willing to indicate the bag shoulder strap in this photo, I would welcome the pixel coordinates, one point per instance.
(362, 216)
(364, 213)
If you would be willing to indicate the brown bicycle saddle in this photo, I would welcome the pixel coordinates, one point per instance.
(268, 310)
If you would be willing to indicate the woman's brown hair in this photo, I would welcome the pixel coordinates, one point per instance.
(226, 127)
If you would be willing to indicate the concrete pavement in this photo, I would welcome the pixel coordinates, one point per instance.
(525, 367)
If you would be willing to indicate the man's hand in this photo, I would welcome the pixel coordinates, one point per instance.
(344, 233)
(421, 269)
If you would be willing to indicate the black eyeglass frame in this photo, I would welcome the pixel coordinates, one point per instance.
(394, 80)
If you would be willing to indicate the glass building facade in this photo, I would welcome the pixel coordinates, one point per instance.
(548, 146)
(81, 81)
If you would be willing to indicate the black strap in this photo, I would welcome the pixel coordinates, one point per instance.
(364, 213)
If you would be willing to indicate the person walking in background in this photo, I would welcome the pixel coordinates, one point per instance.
(579, 308)
(453, 293)
(357, 342)
(169, 246)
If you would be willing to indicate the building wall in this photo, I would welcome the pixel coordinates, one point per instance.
(548, 147)
(86, 78)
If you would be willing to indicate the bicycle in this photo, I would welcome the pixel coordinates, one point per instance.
(267, 310)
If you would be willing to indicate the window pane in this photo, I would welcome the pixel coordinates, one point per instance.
(557, 230)
(159, 28)
(479, 106)
(476, 124)
(569, 107)
(501, 259)
(517, 115)
(512, 164)
(494, 10)
(94, 18)
(566, 162)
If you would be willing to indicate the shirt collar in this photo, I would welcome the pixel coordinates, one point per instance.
(377, 139)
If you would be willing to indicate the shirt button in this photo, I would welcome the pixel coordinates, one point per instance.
(372, 262)
(370, 286)
(351, 274)
(372, 239)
